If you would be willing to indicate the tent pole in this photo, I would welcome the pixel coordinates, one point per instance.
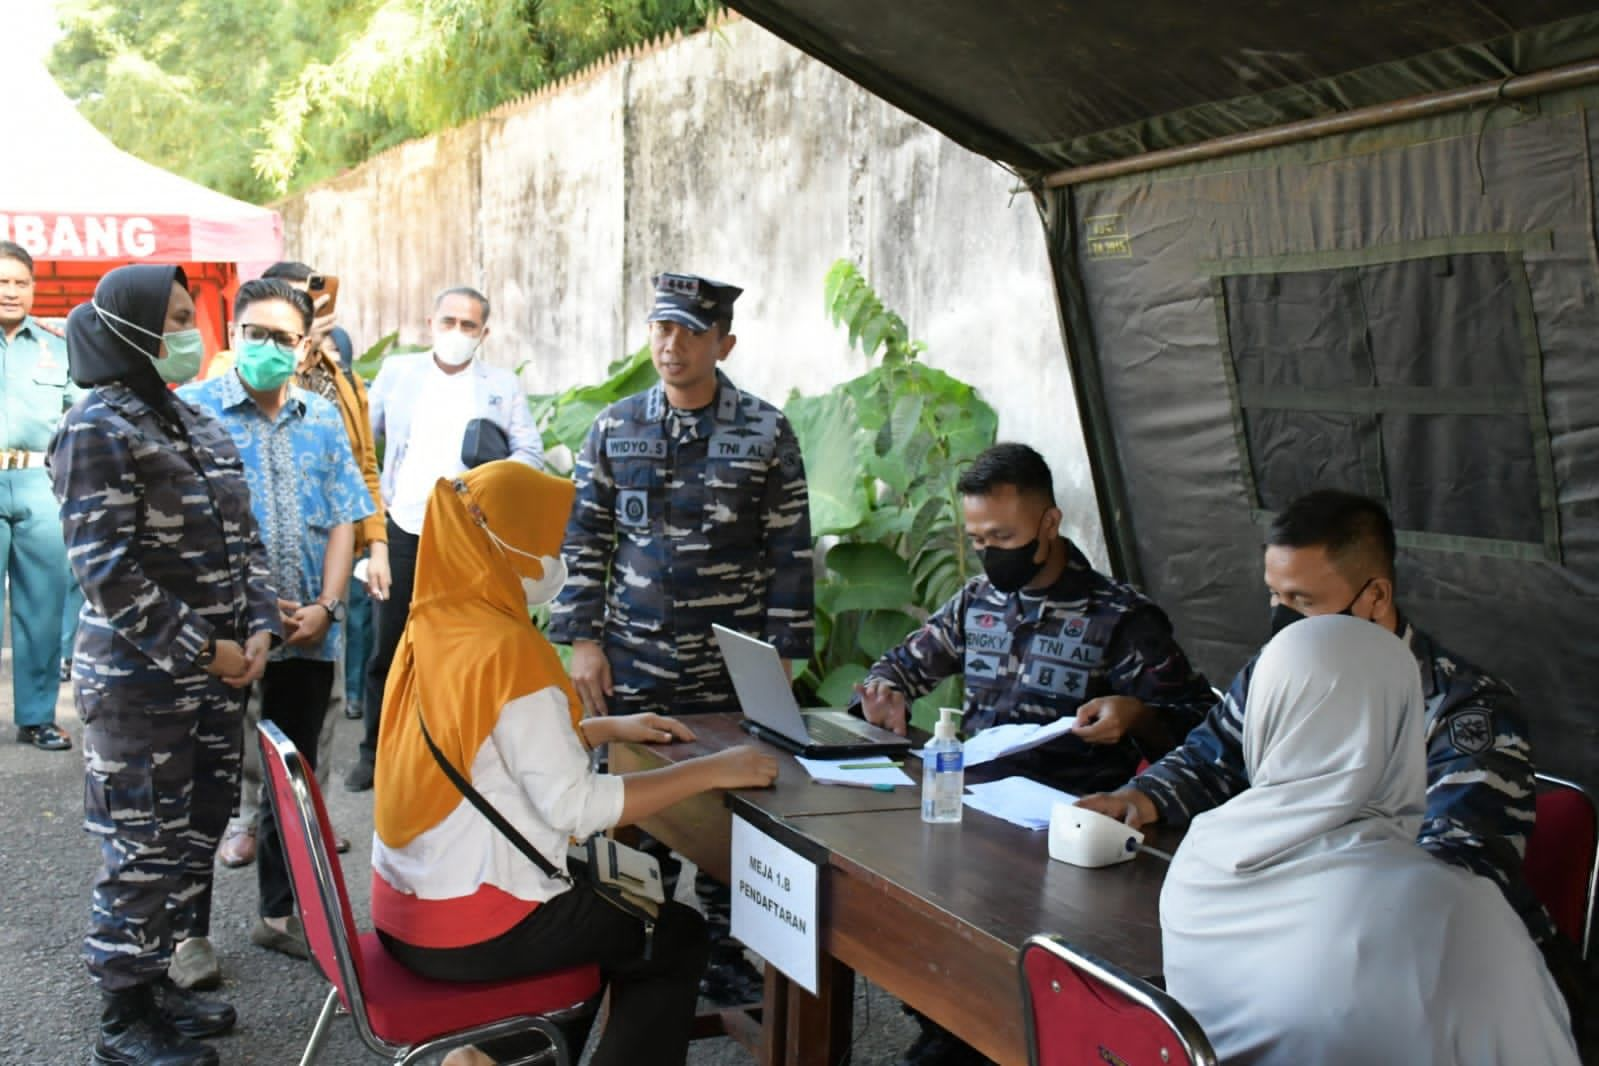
(1522, 85)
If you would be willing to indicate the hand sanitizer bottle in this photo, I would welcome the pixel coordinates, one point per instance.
(943, 771)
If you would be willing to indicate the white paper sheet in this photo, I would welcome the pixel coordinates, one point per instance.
(998, 741)
(878, 771)
(1019, 800)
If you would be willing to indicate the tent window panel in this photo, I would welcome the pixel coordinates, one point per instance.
(1415, 380)
(1300, 330)
(1423, 315)
(1293, 452)
(1489, 487)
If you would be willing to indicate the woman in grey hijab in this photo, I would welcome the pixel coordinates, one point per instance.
(178, 622)
(1301, 922)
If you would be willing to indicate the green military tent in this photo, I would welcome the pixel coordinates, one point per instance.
(1302, 244)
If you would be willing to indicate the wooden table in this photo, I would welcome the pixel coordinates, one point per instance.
(934, 914)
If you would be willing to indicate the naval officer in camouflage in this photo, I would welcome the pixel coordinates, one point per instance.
(179, 620)
(1042, 636)
(691, 509)
(1333, 552)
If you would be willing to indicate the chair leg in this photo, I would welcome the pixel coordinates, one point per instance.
(554, 1055)
(552, 1033)
(319, 1032)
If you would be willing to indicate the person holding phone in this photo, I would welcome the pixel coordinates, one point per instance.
(180, 616)
(453, 899)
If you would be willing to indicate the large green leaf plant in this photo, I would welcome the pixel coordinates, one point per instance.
(883, 452)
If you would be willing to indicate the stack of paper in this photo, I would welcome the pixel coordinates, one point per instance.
(864, 771)
(1018, 800)
(998, 741)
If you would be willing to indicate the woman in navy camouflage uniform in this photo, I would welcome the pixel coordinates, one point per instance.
(179, 621)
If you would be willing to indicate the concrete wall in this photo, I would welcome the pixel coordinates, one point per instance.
(728, 154)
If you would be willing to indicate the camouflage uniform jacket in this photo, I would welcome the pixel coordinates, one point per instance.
(1480, 802)
(1029, 657)
(160, 536)
(683, 519)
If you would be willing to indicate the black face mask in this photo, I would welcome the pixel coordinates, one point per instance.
(1010, 569)
(1283, 616)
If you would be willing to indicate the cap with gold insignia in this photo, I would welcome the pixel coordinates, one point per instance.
(693, 301)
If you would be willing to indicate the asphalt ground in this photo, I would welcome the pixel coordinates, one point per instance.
(49, 1008)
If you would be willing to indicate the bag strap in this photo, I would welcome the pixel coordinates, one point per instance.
(487, 809)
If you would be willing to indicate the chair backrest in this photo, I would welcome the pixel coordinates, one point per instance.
(313, 868)
(1081, 1009)
(1562, 862)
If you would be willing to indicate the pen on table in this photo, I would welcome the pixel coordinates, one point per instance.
(858, 784)
(886, 764)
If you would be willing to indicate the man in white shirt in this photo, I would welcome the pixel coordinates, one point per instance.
(434, 411)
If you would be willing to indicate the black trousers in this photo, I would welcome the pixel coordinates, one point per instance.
(652, 1001)
(391, 615)
(294, 696)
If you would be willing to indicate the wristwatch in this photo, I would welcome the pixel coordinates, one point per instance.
(207, 655)
(335, 609)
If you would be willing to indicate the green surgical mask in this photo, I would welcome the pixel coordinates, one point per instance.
(185, 348)
(185, 353)
(263, 365)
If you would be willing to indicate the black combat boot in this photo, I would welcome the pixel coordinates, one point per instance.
(190, 1013)
(133, 1033)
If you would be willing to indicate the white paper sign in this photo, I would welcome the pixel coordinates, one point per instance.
(774, 903)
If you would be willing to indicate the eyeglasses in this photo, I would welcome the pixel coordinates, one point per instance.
(279, 338)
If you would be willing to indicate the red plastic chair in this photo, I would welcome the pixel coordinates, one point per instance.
(1080, 1009)
(1562, 862)
(397, 1014)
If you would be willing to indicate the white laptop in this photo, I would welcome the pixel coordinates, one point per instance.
(772, 713)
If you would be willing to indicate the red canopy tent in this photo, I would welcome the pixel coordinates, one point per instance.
(81, 206)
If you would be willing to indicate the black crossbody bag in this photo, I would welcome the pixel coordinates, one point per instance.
(627, 879)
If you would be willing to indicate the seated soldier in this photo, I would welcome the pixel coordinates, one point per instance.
(1300, 922)
(1039, 637)
(1332, 552)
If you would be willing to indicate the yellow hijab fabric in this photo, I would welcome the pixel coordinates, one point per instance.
(468, 647)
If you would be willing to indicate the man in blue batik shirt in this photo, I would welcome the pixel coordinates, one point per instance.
(307, 494)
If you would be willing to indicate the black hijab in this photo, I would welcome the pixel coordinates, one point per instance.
(97, 355)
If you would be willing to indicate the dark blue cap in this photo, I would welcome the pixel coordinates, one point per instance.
(692, 301)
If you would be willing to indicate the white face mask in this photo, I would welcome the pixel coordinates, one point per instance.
(537, 591)
(454, 348)
(546, 588)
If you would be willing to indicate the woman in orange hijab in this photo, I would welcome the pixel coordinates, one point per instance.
(452, 898)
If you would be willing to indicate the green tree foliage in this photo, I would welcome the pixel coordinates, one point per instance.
(258, 99)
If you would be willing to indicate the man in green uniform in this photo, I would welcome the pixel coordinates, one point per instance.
(34, 395)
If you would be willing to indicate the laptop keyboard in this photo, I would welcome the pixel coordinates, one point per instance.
(832, 731)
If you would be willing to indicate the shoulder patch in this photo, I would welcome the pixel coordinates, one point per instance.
(1471, 732)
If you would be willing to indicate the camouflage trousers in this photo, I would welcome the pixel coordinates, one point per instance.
(652, 675)
(159, 787)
